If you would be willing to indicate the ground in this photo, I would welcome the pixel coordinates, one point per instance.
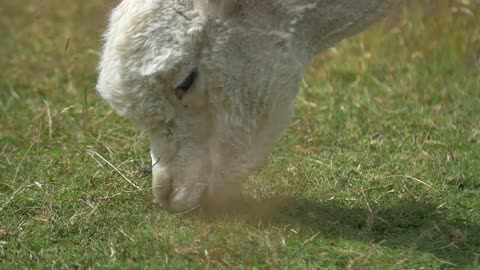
(380, 168)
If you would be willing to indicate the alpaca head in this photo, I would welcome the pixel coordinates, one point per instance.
(212, 82)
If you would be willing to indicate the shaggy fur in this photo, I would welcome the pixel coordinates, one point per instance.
(250, 57)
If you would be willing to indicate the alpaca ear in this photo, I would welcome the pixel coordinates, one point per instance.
(215, 8)
(322, 23)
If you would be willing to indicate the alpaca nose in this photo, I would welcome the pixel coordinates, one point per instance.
(176, 195)
(186, 198)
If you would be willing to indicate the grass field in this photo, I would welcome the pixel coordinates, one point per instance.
(380, 168)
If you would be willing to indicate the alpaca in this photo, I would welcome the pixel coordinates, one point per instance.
(213, 82)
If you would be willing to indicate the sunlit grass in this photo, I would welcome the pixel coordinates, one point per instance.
(380, 168)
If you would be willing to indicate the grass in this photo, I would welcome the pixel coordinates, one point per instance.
(380, 168)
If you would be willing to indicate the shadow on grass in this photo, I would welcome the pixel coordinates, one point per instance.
(407, 224)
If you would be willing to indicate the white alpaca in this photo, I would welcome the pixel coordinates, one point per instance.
(212, 82)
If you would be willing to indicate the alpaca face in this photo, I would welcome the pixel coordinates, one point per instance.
(230, 104)
(214, 87)
(212, 95)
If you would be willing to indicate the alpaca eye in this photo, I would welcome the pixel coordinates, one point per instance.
(187, 83)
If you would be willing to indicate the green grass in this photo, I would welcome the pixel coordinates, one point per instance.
(380, 168)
